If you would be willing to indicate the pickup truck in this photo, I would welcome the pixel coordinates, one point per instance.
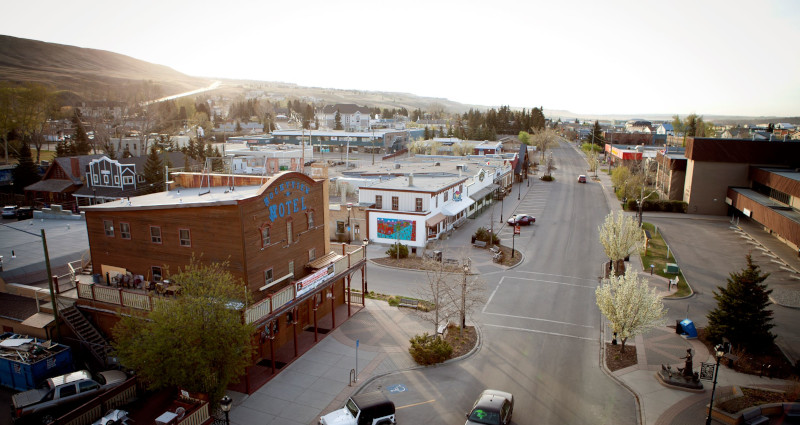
(363, 409)
(64, 390)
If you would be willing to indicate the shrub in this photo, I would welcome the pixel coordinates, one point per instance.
(657, 205)
(392, 251)
(482, 234)
(428, 350)
(547, 178)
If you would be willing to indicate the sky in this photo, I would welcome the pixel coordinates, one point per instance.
(710, 57)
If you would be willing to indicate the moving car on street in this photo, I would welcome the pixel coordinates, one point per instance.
(581, 179)
(492, 408)
(523, 219)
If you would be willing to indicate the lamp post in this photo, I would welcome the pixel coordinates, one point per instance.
(225, 405)
(718, 354)
(520, 188)
(464, 295)
(349, 226)
(502, 197)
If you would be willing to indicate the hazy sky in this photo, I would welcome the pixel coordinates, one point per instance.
(731, 57)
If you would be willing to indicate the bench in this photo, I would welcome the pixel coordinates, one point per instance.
(441, 329)
(754, 417)
(409, 302)
(479, 244)
(791, 411)
(451, 261)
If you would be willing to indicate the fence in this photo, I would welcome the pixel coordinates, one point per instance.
(93, 410)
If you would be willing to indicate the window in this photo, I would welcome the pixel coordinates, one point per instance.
(437, 200)
(291, 268)
(95, 178)
(419, 205)
(116, 179)
(268, 277)
(67, 391)
(105, 178)
(125, 230)
(355, 229)
(184, 237)
(445, 196)
(265, 235)
(340, 227)
(312, 254)
(140, 178)
(156, 271)
(310, 219)
(108, 225)
(86, 386)
(379, 202)
(395, 203)
(155, 234)
(289, 232)
(127, 179)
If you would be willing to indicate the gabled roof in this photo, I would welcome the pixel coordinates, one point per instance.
(65, 162)
(523, 154)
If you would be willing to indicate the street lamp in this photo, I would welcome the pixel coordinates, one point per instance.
(464, 294)
(719, 353)
(349, 226)
(520, 188)
(225, 405)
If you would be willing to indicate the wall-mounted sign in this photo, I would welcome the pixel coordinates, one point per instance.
(286, 198)
(313, 280)
(457, 196)
(392, 228)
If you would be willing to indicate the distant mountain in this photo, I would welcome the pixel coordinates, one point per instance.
(88, 73)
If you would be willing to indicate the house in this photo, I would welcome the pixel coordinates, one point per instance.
(110, 179)
(487, 147)
(63, 178)
(352, 116)
(638, 126)
(665, 128)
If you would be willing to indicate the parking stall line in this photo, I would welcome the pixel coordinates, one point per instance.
(551, 281)
(540, 332)
(540, 320)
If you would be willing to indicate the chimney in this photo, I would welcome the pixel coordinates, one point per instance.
(75, 167)
(410, 179)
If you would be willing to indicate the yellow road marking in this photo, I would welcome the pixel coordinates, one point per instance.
(415, 404)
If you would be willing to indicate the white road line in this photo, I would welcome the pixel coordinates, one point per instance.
(492, 296)
(551, 281)
(540, 320)
(540, 332)
(558, 275)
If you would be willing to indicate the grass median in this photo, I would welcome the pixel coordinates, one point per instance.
(659, 255)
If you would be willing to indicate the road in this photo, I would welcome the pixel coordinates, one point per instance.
(540, 326)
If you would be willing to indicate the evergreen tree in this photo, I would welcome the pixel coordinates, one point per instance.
(80, 143)
(596, 136)
(126, 153)
(25, 173)
(337, 121)
(154, 171)
(742, 314)
(427, 133)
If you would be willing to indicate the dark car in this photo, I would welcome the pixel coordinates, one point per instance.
(492, 408)
(24, 213)
(523, 219)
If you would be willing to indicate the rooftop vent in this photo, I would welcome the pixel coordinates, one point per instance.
(396, 165)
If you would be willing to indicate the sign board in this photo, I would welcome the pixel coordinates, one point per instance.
(516, 229)
(313, 280)
(707, 371)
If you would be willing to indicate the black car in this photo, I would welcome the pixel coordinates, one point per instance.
(24, 213)
(492, 408)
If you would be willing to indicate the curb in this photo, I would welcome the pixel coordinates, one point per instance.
(604, 368)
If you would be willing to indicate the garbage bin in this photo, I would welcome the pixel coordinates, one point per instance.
(437, 256)
(96, 278)
(688, 328)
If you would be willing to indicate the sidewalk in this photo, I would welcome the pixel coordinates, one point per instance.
(660, 405)
(319, 381)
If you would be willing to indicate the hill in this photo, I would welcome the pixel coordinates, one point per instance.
(88, 73)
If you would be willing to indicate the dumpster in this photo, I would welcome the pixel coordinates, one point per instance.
(688, 328)
(27, 362)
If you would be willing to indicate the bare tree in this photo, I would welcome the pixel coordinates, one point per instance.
(36, 105)
(437, 294)
(544, 140)
(468, 295)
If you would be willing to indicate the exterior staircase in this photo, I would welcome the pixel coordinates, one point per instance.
(90, 337)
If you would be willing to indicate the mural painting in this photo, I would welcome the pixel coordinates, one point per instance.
(391, 228)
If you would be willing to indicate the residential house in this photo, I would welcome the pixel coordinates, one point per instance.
(63, 177)
(352, 116)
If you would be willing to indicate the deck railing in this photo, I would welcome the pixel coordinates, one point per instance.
(254, 313)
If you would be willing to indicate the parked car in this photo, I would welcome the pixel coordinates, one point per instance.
(522, 219)
(492, 408)
(65, 390)
(24, 213)
(581, 179)
(10, 211)
(363, 409)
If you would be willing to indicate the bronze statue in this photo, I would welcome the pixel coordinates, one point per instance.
(687, 369)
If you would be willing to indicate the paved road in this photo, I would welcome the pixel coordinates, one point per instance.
(540, 326)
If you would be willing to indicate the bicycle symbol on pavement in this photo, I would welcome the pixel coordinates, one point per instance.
(399, 388)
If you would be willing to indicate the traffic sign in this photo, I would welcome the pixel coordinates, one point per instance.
(516, 230)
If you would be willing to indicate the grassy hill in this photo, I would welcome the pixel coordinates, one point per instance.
(89, 73)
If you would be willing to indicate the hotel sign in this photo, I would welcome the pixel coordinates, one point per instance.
(286, 198)
(313, 280)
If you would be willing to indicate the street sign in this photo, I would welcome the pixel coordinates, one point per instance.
(516, 229)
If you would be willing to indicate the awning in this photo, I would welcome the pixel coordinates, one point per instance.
(483, 192)
(436, 219)
(323, 261)
(456, 207)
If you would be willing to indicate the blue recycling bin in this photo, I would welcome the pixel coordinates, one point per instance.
(688, 328)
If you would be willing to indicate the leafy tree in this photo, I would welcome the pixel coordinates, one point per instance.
(742, 314)
(153, 171)
(337, 121)
(197, 341)
(524, 137)
(630, 305)
(397, 250)
(26, 172)
(620, 235)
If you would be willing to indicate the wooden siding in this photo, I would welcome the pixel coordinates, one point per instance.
(777, 223)
(775, 181)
